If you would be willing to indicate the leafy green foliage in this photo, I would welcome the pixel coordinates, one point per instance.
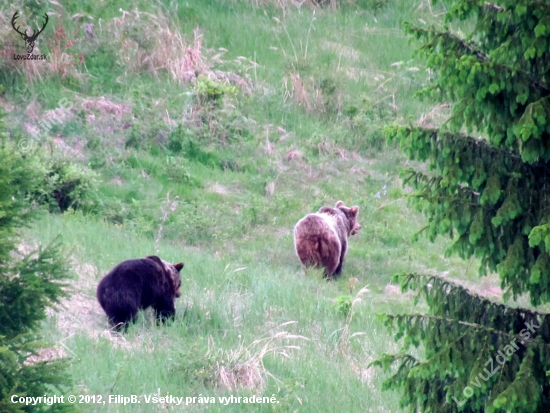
(67, 185)
(490, 191)
(17, 179)
(486, 188)
(212, 91)
(462, 335)
(343, 304)
(28, 284)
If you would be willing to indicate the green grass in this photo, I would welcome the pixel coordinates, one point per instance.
(225, 305)
(242, 282)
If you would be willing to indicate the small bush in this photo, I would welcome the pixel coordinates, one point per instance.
(210, 91)
(177, 171)
(343, 304)
(196, 368)
(67, 185)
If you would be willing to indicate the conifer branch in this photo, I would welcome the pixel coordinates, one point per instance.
(484, 151)
(445, 283)
(478, 327)
(473, 51)
(491, 191)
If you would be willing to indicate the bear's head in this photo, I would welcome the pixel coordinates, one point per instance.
(351, 215)
(174, 271)
(176, 277)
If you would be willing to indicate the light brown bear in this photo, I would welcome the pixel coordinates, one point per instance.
(321, 239)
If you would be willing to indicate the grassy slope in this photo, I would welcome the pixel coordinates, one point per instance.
(241, 278)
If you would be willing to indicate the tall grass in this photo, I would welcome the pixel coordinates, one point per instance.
(218, 179)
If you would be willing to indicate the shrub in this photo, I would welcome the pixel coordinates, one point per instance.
(67, 185)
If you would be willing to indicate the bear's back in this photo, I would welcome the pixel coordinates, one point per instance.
(336, 219)
(314, 223)
(131, 276)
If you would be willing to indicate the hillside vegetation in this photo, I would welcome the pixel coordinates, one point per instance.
(202, 131)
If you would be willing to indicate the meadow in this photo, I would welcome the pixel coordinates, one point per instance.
(202, 131)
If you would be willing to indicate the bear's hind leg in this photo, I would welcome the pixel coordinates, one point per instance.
(338, 270)
(120, 318)
(329, 251)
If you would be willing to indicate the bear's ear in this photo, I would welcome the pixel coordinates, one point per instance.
(354, 210)
(339, 204)
(179, 266)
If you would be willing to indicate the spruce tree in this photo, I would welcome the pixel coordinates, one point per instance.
(488, 188)
(29, 283)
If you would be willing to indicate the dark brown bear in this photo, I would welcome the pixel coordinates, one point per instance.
(321, 239)
(139, 284)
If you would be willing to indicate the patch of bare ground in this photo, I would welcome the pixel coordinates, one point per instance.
(488, 286)
(74, 150)
(219, 189)
(47, 354)
(285, 4)
(106, 115)
(105, 107)
(394, 290)
(293, 154)
(342, 50)
(23, 249)
(117, 180)
(79, 312)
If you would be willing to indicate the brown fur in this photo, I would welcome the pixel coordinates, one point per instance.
(139, 284)
(321, 239)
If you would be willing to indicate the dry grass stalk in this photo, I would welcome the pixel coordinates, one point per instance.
(244, 366)
(59, 61)
(286, 4)
(149, 43)
(327, 148)
(344, 340)
(269, 147)
(436, 116)
(169, 206)
(46, 354)
(270, 189)
(299, 91)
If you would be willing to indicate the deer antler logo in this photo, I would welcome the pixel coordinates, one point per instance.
(29, 40)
